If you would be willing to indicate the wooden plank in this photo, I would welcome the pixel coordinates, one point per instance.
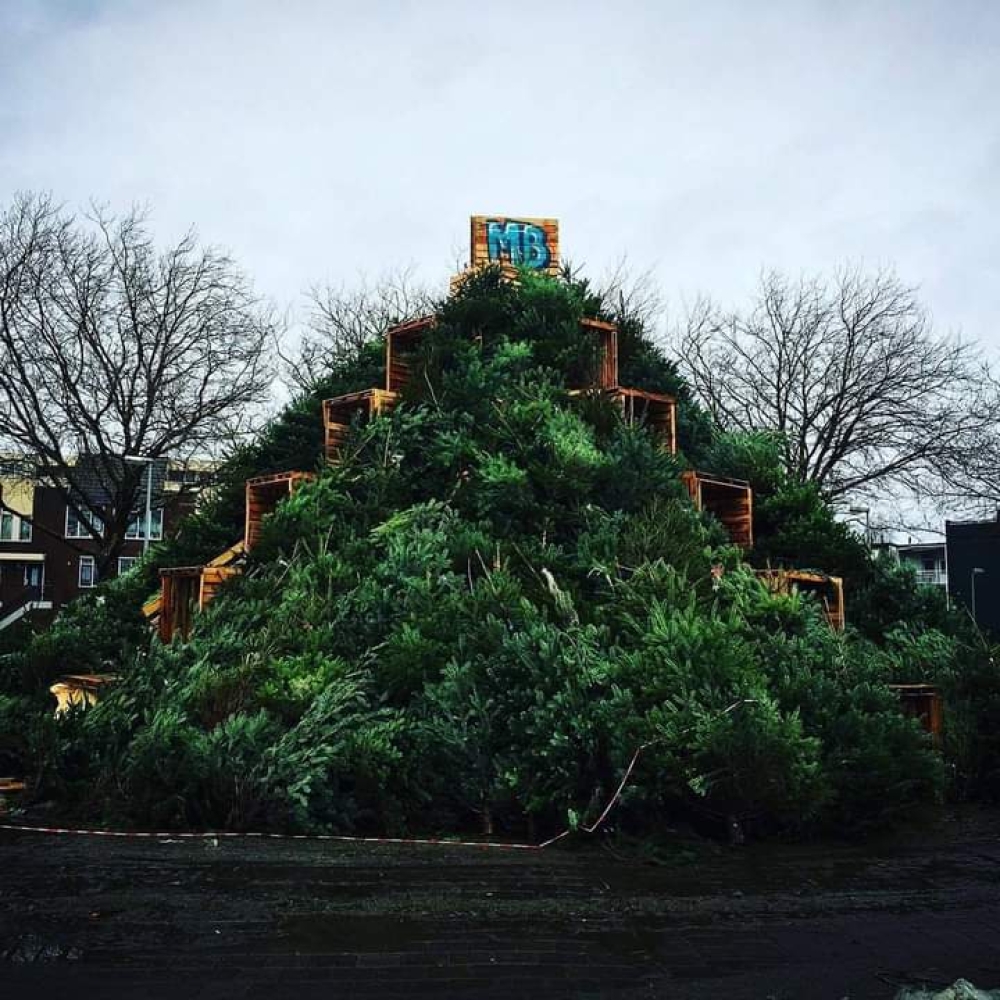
(212, 579)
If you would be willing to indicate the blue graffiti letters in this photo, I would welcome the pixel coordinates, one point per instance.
(518, 242)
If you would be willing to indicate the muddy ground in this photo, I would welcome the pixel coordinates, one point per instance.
(83, 917)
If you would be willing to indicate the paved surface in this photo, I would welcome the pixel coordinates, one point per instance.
(88, 918)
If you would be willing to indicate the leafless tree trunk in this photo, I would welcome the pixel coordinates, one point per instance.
(110, 348)
(865, 398)
(343, 321)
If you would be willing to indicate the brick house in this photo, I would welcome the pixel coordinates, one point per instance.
(48, 557)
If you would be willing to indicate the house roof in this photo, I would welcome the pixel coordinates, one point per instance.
(95, 478)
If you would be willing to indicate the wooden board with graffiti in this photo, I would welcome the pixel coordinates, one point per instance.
(513, 242)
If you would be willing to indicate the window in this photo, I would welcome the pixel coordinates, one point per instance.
(14, 528)
(88, 571)
(33, 574)
(137, 526)
(76, 527)
(125, 563)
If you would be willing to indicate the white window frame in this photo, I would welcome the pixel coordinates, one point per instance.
(92, 563)
(136, 529)
(17, 526)
(82, 531)
(132, 562)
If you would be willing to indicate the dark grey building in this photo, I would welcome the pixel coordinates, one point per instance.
(973, 559)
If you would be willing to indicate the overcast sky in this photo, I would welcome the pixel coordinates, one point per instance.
(704, 140)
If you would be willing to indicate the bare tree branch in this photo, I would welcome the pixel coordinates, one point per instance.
(864, 396)
(109, 347)
(343, 321)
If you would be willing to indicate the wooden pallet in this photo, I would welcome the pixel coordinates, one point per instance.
(73, 690)
(184, 589)
(606, 335)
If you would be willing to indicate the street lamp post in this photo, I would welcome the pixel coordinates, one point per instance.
(976, 571)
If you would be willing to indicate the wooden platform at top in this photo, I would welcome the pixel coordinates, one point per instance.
(730, 501)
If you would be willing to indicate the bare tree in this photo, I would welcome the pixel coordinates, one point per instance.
(864, 396)
(110, 348)
(632, 297)
(343, 321)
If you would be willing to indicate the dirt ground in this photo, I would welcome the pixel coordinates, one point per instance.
(85, 917)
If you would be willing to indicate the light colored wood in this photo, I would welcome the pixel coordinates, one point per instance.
(211, 580)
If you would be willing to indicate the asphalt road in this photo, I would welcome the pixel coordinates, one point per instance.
(92, 918)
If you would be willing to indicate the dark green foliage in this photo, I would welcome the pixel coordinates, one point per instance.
(487, 607)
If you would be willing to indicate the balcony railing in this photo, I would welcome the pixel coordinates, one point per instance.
(937, 577)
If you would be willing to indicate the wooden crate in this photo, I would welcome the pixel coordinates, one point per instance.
(606, 376)
(730, 501)
(654, 410)
(212, 579)
(922, 702)
(401, 344)
(183, 589)
(263, 494)
(638, 408)
(339, 413)
(828, 589)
